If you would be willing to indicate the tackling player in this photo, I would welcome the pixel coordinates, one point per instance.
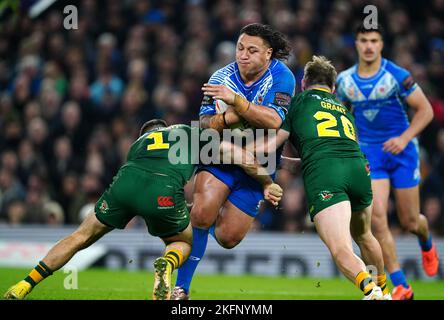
(150, 186)
(336, 176)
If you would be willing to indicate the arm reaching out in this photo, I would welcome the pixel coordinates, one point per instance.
(271, 143)
(233, 154)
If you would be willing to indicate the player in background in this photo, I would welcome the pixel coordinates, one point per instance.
(379, 92)
(150, 186)
(257, 88)
(336, 176)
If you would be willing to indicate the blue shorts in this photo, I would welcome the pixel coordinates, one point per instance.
(402, 169)
(246, 193)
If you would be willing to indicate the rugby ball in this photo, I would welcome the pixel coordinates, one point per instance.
(221, 106)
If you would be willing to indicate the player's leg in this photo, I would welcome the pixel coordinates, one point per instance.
(381, 230)
(177, 250)
(232, 225)
(88, 232)
(407, 205)
(209, 195)
(371, 251)
(380, 225)
(163, 207)
(333, 226)
(380, 163)
(238, 213)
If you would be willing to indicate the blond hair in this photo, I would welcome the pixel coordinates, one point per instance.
(319, 71)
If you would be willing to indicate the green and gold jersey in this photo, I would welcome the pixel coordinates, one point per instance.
(172, 151)
(321, 127)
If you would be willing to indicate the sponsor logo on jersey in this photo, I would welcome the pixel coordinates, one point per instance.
(260, 99)
(194, 258)
(350, 91)
(370, 114)
(367, 168)
(104, 207)
(165, 202)
(207, 101)
(384, 88)
(282, 99)
(416, 174)
(325, 195)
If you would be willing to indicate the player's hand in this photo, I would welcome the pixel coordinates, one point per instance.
(273, 193)
(231, 116)
(395, 145)
(220, 92)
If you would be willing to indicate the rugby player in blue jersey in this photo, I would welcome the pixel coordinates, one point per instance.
(379, 92)
(257, 88)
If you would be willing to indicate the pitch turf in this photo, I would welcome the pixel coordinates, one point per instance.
(101, 284)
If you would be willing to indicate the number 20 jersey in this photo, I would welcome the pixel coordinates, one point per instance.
(321, 127)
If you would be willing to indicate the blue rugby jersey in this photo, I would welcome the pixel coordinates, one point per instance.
(378, 102)
(274, 89)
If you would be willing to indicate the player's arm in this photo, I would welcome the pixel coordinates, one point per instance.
(233, 154)
(216, 122)
(290, 159)
(271, 143)
(219, 121)
(422, 117)
(257, 115)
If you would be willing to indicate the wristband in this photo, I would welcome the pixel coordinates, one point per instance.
(225, 120)
(240, 104)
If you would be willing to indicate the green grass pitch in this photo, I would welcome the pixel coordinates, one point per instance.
(102, 284)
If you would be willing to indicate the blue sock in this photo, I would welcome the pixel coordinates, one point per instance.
(186, 271)
(426, 245)
(398, 277)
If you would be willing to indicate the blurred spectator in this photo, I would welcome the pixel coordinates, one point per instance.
(10, 190)
(53, 213)
(67, 195)
(432, 208)
(107, 89)
(88, 192)
(38, 134)
(63, 161)
(225, 54)
(16, 212)
(70, 125)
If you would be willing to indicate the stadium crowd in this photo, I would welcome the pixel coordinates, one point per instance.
(72, 101)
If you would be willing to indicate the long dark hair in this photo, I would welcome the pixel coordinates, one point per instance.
(275, 39)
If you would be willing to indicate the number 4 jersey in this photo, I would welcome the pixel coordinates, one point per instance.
(321, 127)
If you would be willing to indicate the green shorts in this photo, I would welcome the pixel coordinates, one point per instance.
(158, 199)
(329, 181)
